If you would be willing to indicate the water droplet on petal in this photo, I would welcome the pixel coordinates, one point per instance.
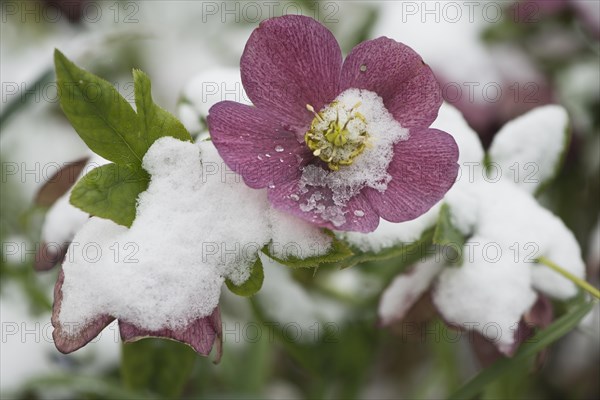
(268, 155)
(281, 160)
(294, 197)
(271, 186)
(259, 157)
(279, 149)
(359, 213)
(363, 68)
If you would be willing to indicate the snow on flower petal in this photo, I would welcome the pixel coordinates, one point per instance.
(351, 139)
(470, 158)
(74, 335)
(508, 231)
(196, 225)
(423, 169)
(511, 231)
(529, 148)
(485, 294)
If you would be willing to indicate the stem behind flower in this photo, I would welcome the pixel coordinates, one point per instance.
(579, 282)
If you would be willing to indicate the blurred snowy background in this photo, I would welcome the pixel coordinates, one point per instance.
(495, 60)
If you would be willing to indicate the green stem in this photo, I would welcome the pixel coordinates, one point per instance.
(579, 282)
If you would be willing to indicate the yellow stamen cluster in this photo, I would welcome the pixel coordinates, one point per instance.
(337, 135)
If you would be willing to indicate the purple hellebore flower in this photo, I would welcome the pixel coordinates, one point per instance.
(337, 143)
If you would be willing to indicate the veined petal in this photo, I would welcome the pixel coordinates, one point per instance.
(399, 75)
(200, 334)
(289, 62)
(451, 120)
(424, 167)
(70, 337)
(256, 145)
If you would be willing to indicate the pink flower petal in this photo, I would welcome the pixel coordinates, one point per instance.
(49, 255)
(358, 214)
(539, 316)
(201, 334)
(70, 337)
(255, 145)
(541, 313)
(486, 351)
(289, 62)
(424, 167)
(398, 74)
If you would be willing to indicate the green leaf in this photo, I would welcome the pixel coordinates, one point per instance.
(541, 340)
(159, 365)
(79, 386)
(514, 384)
(154, 121)
(252, 285)
(338, 252)
(403, 253)
(100, 115)
(111, 191)
(446, 234)
(111, 128)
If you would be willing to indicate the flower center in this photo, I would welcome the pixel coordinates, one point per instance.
(337, 134)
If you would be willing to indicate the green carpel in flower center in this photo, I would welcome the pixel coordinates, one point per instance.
(337, 134)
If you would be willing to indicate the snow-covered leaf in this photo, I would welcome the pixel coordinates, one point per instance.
(511, 231)
(446, 234)
(252, 285)
(489, 293)
(167, 269)
(561, 248)
(338, 252)
(403, 253)
(529, 150)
